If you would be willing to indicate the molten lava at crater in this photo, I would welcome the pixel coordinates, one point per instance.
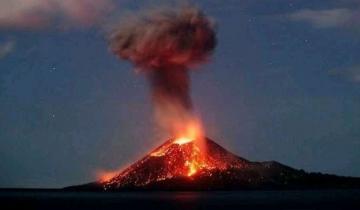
(183, 140)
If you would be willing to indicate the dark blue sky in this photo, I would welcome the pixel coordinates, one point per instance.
(283, 84)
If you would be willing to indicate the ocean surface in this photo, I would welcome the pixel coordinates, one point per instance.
(58, 200)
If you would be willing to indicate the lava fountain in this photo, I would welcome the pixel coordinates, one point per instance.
(163, 45)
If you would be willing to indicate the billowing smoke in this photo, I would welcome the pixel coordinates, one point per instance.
(164, 44)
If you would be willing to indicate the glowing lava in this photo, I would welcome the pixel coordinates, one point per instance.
(193, 167)
(177, 159)
(105, 176)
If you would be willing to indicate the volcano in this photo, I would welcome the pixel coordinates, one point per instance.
(179, 164)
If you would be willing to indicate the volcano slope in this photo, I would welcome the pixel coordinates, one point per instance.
(180, 165)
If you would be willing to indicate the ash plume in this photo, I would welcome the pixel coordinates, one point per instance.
(164, 44)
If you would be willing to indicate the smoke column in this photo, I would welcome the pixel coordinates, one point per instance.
(164, 44)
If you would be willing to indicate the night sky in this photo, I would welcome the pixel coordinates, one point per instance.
(283, 84)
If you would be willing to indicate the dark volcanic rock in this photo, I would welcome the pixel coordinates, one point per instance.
(174, 166)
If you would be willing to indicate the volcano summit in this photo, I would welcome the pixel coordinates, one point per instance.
(179, 164)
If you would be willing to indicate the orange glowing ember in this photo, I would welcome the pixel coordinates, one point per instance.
(105, 176)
